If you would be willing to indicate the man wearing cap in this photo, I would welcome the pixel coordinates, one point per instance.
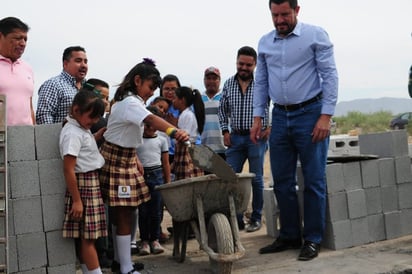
(212, 135)
(236, 119)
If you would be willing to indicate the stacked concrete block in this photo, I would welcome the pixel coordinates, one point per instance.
(271, 212)
(385, 144)
(36, 202)
(369, 200)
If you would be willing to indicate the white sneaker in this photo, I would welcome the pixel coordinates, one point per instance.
(156, 248)
(144, 249)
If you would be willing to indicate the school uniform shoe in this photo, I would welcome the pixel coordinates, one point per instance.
(133, 248)
(116, 267)
(144, 249)
(254, 226)
(280, 245)
(156, 248)
(309, 251)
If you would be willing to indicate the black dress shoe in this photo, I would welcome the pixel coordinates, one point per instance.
(309, 251)
(254, 226)
(281, 245)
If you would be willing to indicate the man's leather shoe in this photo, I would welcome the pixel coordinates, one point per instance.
(281, 245)
(254, 226)
(309, 251)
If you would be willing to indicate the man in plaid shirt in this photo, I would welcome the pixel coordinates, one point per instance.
(57, 93)
(236, 119)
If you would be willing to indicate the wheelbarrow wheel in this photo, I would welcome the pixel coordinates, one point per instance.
(220, 239)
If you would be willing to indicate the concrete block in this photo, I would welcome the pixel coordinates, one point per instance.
(403, 172)
(51, 177)
(31, 250)
(337, 207)
(386, 169)
(47, 141)
(389, 195)
(370, 176)
(40, 270)
(60, 250)
(343, 144)
(405, 195)
(53, 211)
(338, 235)
(271, 212)
(360, 231)
(352, 176)
(376, 228)
(27, 215)
(25, 179)
(334, 178)
(67, 268)
(393, 226)
(20, 141)
(406, 221)
(356, 203)
(373, 200)
(384, 144)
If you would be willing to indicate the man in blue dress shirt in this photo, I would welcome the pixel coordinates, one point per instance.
(296, 69)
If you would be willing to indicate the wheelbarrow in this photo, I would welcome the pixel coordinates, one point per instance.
(209, 204)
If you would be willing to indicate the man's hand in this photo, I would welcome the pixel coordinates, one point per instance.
(322, 128)
(256, 130)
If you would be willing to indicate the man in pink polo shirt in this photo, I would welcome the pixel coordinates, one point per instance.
(16, 76)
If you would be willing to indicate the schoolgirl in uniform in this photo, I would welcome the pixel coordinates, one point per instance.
(192, 120)
(85, 218)
(123, 186)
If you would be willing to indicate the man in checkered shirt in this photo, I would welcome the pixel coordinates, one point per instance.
(57, 93)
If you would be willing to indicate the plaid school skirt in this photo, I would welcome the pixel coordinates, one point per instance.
(120, 181)
(93, 224)
(182, 165)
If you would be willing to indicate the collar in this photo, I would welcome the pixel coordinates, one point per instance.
(8, 60)
(296, 32)
(71, 78)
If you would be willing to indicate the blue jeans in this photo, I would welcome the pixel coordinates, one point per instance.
(289, 140)
(243, 149)
(150, 212)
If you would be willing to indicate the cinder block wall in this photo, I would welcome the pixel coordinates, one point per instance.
(36, 202)
(367, 201)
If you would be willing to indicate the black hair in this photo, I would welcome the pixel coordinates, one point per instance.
(193, 97)
(146, 70)
(248, 51)
(161, 98)
(154, 110)
(87, 100)
(67, 53)
(169, 78)
(292, 3)
(9, 24)
(97, 82)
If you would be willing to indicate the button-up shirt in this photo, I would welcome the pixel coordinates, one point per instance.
(55, 98)
(296, 68)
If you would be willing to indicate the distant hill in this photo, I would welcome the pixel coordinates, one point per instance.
(394, 105)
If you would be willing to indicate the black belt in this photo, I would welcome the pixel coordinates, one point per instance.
(240, 131)
(300, 105)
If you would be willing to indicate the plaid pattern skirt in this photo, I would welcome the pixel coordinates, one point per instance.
(93, 224)
(182, 166)
(120, 172)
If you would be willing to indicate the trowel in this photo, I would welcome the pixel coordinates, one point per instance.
(208, 160)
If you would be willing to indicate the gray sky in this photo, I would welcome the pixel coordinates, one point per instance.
(372, 38)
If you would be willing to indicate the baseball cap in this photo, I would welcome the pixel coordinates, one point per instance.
(212, 70)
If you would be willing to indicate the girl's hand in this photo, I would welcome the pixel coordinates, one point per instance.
(181, 135)
(77, 210)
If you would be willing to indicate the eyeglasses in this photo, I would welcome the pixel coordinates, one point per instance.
(169, 89)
